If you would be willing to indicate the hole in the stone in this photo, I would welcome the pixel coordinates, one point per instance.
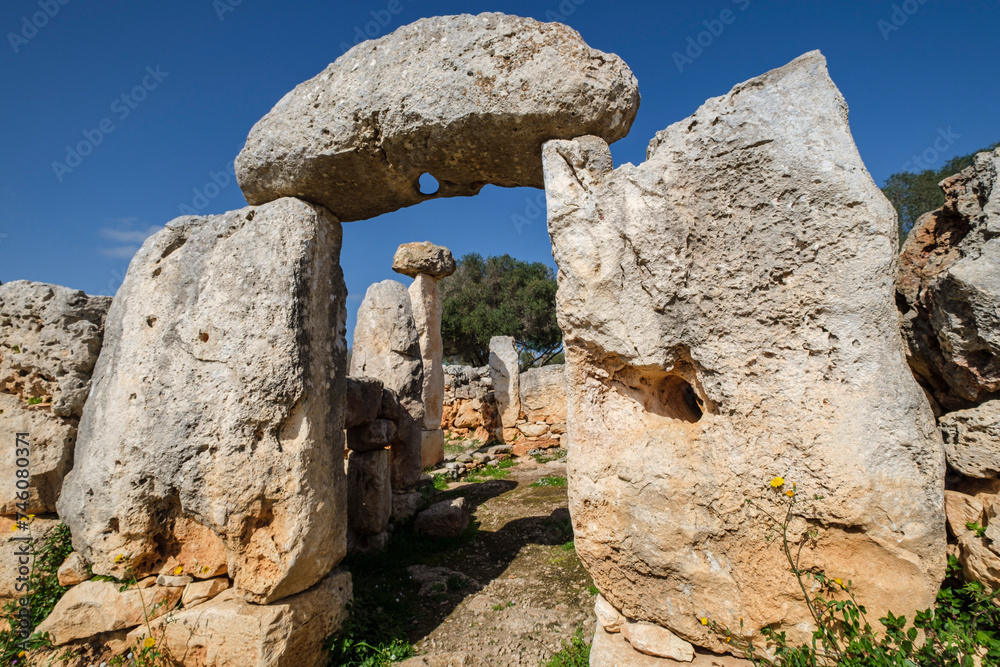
(664, 394)
(203, 337)
(428, 184)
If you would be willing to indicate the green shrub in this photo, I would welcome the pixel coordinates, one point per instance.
(550, 481)
(574, 654)
(963, 626)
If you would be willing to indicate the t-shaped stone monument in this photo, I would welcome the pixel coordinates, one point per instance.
(427, 263)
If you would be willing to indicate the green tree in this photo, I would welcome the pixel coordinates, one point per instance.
(500, 296)
(914, 194)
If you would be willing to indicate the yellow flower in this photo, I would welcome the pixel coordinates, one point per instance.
(119, 558)
(149, 642)
(789, 493)
(704, 621)
(178, 569)
(13, 528)
(777, 482)
(21, 654)
(31, 517)
(839, 583)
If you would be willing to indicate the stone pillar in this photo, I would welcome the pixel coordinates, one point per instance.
(387, 347)
(427, 263)
(505, 370)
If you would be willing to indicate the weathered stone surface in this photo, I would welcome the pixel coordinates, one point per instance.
(448, 518)
(200, 591)
(432, 448)
(543, 394)
(425, 299)
(230, 632)
(387, 347)
(972, 439)
(533, 430)
(505, 371)
(369, 492)
(73, 571)
(979, 562)
(652, 639)
(376, 435)
(728, 315)
(960, 510)
(423, 257)
(609, 617)
(94, 607)
(174, 581)
(405, 505)
(612, 650)
(218, 400)
(444, 660)
(468, 99)
(363, 402)
(50, 338)
(949, 287)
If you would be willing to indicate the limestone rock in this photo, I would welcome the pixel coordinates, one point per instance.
(612, 650)
(543, 394)
(979, 562)
(218, 401)
(174, 581)
(468, 99)
(376, 435)
(960, 510)
(200, 591)
(387, 347)
(405, 505)
(369, 493)
(425, 299)
(505, 371)
(533, 430)
(432, 448)
(972, 439)
(94, 607)
(230, 632)
(73, 571)
(609, 617)
(728, 313)
(448, 518)
(363, 402)
(652, 639)
(949, 288)
(50, 338)
(424, 257)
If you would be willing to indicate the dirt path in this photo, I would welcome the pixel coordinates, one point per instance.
(513, 592)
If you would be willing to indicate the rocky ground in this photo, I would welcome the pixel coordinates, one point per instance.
(508, 592)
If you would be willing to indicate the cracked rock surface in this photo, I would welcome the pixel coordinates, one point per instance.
(213, 436)
(468, 99)
(728, 311)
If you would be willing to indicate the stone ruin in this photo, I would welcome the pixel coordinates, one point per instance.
(729, 314)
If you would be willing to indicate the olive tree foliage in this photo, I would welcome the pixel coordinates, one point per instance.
(916, 193)
(500, 296)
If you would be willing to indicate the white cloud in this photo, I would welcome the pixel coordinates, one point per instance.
(126, 236)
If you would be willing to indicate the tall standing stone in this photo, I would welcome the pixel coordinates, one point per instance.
(505, 371)
(949, 289)
(50, 338)
(218, 405)
(387, 348)
(427, 263)
(729, 318)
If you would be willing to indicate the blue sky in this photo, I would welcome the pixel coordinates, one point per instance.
(914, 73)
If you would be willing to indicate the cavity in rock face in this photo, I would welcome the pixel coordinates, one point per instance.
(949, 287)
(387, 348)
(217, 409)
(728, 315)
(467, 99)
(50, 338)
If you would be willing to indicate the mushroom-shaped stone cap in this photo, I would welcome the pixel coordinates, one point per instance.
(412, 259)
